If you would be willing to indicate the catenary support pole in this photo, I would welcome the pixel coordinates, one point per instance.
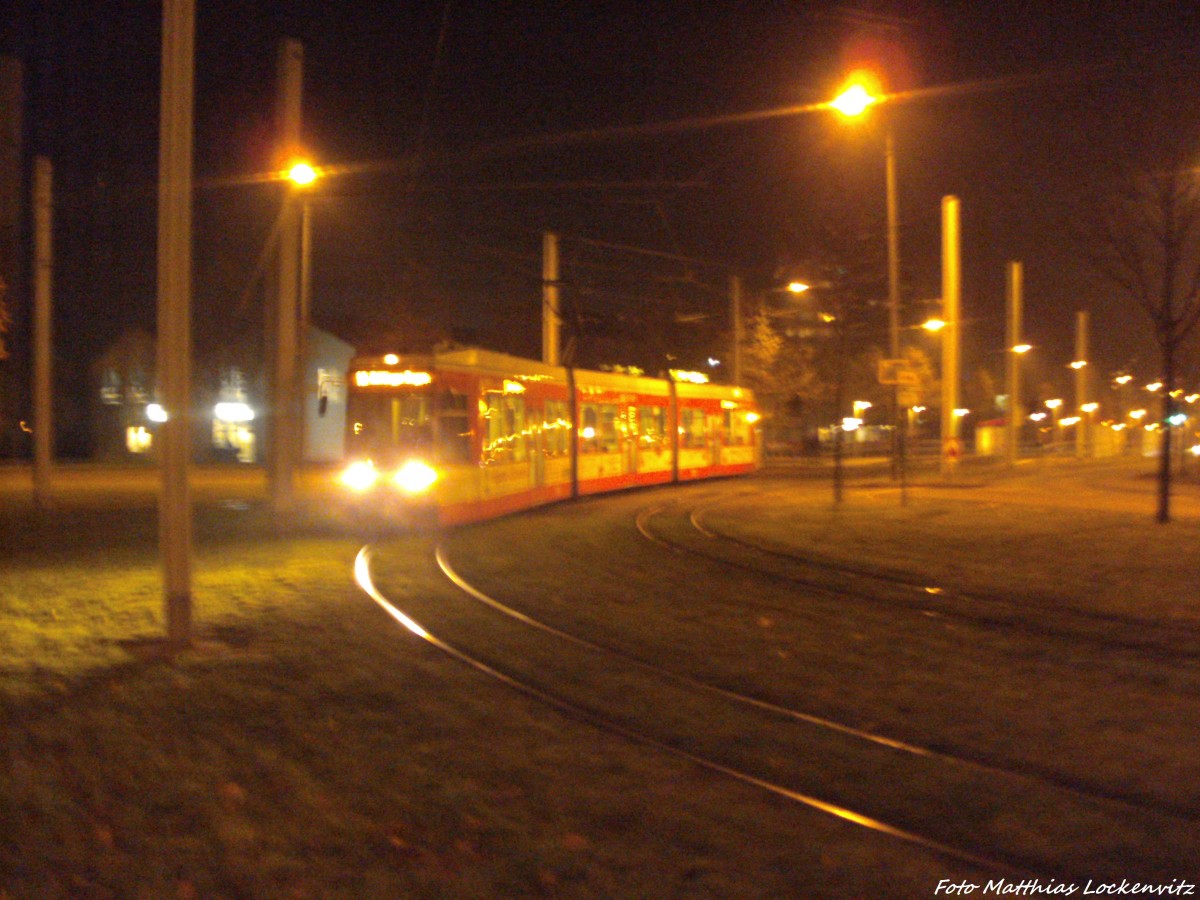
(43, 269)
(551, 310)
(1012, 361)
(174, 313)
(951, 334)
(284, 415)
(893, 272)
(1080, 364)
(305, 319)
(735, 313)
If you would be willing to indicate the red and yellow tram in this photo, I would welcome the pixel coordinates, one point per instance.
(467, 435)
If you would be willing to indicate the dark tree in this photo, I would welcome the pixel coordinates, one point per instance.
(1149, 247)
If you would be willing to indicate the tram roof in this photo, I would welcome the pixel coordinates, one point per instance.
(507, 365)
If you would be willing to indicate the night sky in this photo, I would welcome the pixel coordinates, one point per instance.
(465, 129)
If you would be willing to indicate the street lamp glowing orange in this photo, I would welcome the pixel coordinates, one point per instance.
(854, 101)
(860, 93)
(301, 174)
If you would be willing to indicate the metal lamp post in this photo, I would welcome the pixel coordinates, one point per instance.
(853, 102)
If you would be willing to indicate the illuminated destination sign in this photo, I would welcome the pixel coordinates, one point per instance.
(387, 378)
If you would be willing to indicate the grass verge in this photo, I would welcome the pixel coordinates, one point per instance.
(307, 748)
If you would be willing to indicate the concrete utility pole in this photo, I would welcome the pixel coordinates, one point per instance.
(735, 312)
(551, 310)
(1080, 365)
(284, 416)
(43, 268)
(174, 314)
(951, 335)
(1012, 360)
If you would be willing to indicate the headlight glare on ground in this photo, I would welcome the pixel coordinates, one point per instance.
(415, 477)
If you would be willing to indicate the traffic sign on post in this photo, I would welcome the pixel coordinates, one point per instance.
(898, 372)
(951, 450)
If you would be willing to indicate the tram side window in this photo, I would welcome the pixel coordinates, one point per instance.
(504, 439)
(737, 429)
(607, 435)
(652, 427)
(598, 430)
(693, 430)
(453, 428)
(556, 428)
(589, 428)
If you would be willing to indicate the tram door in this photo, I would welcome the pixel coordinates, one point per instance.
(539, 448)
(631, 440)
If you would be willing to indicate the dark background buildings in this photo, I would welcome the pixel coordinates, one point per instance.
(463, 130)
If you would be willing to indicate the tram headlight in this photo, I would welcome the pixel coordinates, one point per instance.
(415, 477)
(360, 476)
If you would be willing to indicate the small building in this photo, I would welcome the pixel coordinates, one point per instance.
(227, 403)
(991, 437)
(124, 376)
(328, 360)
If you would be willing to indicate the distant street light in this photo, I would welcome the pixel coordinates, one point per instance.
(1054, 406)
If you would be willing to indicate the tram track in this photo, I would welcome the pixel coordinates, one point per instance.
(934, 603)
(982, 763)
(608, 725)
(862, 584)
(999, 861)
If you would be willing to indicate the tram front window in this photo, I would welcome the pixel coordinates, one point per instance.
(387, 427)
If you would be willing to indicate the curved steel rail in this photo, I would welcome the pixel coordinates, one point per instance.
(1042, 774)
(362, 575)
(988, 610)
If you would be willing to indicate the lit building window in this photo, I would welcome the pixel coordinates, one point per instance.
(138, 439)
